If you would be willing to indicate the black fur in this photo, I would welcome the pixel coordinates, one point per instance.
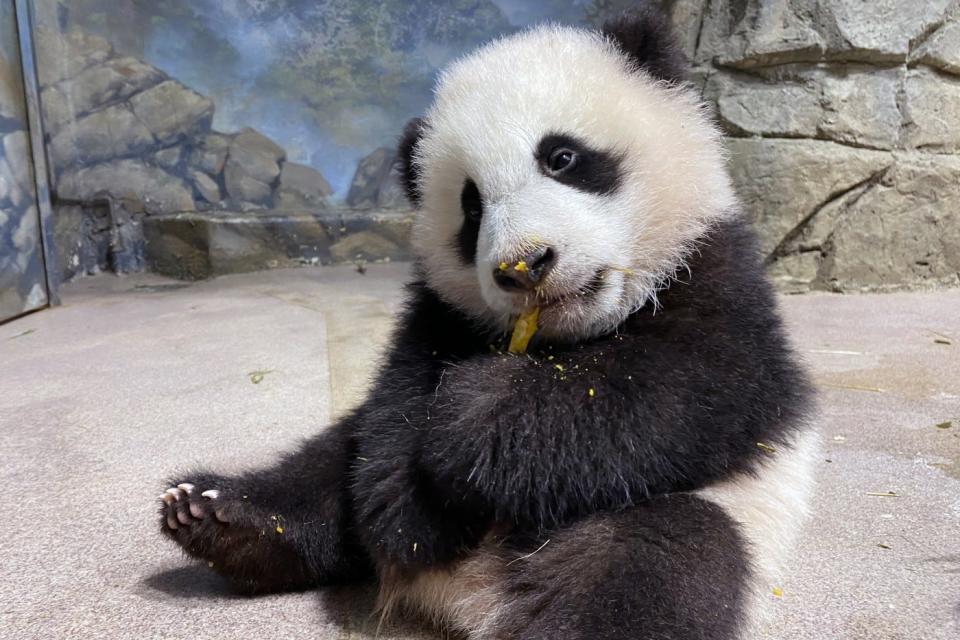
(455, 439)
(673, 567)
(593, 170)
(406, 166)
(471, 203)
(646, 36)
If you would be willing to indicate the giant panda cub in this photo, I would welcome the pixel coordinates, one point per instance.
(641, 470)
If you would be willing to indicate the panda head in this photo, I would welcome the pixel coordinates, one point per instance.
(580, 154)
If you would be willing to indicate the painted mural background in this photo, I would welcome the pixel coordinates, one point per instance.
(329, 82)
(157, 111)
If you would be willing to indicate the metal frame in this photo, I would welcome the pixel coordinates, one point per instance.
(24, 16)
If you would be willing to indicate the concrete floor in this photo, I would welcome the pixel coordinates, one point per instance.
(133, 378)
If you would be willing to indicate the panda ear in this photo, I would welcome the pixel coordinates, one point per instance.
(407, 168)
(646, 37)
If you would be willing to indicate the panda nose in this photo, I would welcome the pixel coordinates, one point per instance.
(526, 273)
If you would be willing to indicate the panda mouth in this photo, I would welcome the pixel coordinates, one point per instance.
(584, 293)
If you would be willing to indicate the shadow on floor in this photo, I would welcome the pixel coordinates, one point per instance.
(351, 608)
(191, 581)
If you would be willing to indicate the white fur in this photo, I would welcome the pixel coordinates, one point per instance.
(493, 107)
(771, 507)
(465, 597)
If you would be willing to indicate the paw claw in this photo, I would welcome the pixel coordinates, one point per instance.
(213, 494)
(176, 493)
(186, 487)
(166, 497)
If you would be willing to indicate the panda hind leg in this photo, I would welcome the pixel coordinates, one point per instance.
(673, 568)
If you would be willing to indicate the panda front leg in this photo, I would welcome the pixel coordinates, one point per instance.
(278, 529)
(673, 568)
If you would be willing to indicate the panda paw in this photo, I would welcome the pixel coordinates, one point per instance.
(211, 520)
(185, 504)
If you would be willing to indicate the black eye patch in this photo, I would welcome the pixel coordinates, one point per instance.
(571, 162)
(471, 203)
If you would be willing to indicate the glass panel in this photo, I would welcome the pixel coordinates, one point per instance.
(22, 281)
(248, 107)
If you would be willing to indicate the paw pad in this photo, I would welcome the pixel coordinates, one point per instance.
(184, 504)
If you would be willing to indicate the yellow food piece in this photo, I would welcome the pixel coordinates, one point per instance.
(523, 330)
(504, 266)
(521, 266)
(279, 529)
(591, 392)
(777, 592)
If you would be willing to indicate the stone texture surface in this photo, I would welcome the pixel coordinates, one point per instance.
(122, 131)
(845, 119)
(169, 158)
(157, 190)
(302, 187)
(65, 55)
(252, 168)
(211, 153)
(942, 48)
(206, 186)
(171, 111)
(113, 81)
(932, 111)
(202, 245)
(906, 227)
(114, 132)
(783, 182)
(373, 182)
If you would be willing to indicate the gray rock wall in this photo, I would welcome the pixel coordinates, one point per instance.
(844, 118)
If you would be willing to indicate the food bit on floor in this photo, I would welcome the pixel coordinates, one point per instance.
(766, 447)
(590, 392)
(939, 338)
(883, 494)
(777, 592)
(256, 377)
(944, 425)
(523, 330)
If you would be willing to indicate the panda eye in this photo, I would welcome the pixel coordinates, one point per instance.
(471, 202)
(561, 159)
